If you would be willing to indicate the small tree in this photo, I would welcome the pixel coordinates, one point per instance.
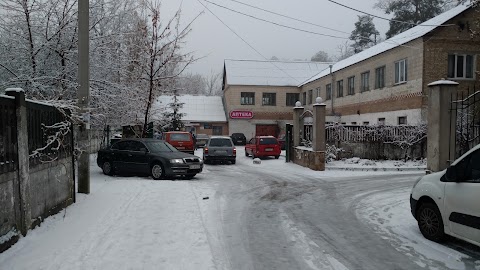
(365, 34)
(174, 117)
(321, 56)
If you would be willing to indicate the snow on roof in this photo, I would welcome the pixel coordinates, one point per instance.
(195, 108)
(394, 42)
(270, 73)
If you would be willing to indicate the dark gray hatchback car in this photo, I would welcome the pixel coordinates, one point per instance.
(219, 148)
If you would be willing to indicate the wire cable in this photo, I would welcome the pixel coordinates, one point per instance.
(383, 18)
(253, 48)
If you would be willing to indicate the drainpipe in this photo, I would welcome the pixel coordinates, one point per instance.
(333, 89)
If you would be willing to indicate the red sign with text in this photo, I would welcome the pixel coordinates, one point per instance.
(241, 114)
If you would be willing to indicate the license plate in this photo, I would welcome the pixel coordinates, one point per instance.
(239, 141)
(268, 149)
(221, 153)
(194, 167)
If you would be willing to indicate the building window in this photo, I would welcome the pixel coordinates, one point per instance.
(366, 123)
(460, 66)
(304, 98)
(292, 98)
(318, 91)
(269, 99)
(380, 77)
(340, 88)
(365, 81)
(329, 91)
(401, 71)
(217, 130)
(402, 120)
(351, 85)
(381, 121)
(247, 98)
(310, 96)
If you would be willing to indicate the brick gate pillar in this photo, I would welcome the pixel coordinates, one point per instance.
(319, 113)
(441, 125)
(297, 127)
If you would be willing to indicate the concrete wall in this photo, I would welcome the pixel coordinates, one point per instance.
(8, 219)
(51, 187)
(309, 158)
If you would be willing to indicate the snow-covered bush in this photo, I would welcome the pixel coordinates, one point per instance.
(331, 152)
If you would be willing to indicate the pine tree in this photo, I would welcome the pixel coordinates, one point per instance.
(408, 13)
(174, 118)
(365, 34)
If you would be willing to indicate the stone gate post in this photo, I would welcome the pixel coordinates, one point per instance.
(440, 133)
(297, 127)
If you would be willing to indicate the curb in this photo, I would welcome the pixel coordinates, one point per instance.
(375, 169)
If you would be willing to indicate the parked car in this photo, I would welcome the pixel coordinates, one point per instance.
(219, 148)
(447, 202)
(202, 139)
(148, 157)
(281, 141)
(181, 140)
(239, 138)
(263, 146)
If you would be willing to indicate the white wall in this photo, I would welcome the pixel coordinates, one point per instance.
(391, 118)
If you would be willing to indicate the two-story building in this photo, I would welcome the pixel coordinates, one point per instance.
(259, 95)
(385, 84)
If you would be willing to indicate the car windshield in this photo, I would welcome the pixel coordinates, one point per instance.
(220, 142)
(268, 141)
(160, 147)
(179, 137)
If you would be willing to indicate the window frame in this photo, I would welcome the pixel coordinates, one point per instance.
(402, 117)
(304, 98)
(247, 98)
(310, 96)
(328, 89)
(340, 88)
(380, 83)
(268, 96)
(351, 86)
(296, 98)
(465, 67)
(365, 87)
(398, 72)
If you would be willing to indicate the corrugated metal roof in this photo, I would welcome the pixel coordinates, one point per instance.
(195, 108)
(394, 42)
(271, 73)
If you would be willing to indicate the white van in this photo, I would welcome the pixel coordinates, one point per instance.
(448, 202)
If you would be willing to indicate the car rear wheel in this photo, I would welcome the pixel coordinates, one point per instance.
(246, 154)
(430, 222)
(157, 171)
(107, 168)
(277, 157)
(233, 161)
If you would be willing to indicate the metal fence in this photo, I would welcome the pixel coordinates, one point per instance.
(8, 135)
(49, 133)
(381, 133)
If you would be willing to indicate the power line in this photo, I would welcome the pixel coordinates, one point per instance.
(253, 48)
(383, 18)
(302, 30)
(274, 23)
(289, 17)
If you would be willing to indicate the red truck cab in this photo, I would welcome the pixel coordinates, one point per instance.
(263, 146)
(183, 141)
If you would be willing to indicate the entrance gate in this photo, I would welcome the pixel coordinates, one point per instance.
(466, 107)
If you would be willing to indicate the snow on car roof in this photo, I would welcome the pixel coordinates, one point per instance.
(195, 108)
(394, 42)
(270, 73)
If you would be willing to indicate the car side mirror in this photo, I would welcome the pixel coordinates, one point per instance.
(144, 150)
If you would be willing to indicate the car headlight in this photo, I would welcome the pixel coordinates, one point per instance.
(176, 161)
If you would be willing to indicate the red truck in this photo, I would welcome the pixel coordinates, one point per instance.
(263, 146)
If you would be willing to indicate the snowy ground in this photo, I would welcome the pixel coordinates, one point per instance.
(271, 215)
(377, 165)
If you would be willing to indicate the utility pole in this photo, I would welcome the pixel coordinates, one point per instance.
(83, 95)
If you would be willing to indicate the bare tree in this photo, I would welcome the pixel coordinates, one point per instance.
(213, 84)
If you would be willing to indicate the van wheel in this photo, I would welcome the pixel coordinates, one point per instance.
(277, 157)
(430, 222)
(157, 171)
(246, 154)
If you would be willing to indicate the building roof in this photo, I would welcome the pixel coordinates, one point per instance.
(195, 108)
(394, 42)
(270, 73)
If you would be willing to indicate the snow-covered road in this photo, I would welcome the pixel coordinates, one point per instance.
(244, 216)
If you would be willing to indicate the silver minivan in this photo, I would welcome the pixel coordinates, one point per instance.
(219, 148)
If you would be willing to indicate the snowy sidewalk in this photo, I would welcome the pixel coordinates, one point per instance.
(125, 223)
(366, 165)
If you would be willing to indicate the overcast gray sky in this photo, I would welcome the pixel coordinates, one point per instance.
(212, 40)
